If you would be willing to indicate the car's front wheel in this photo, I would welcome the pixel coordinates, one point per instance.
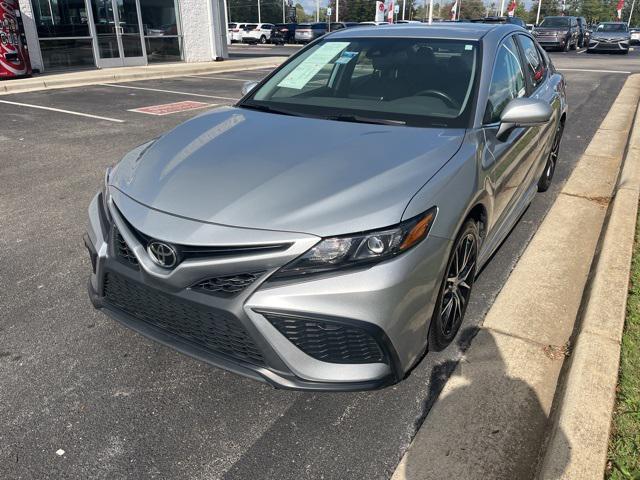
(549, 169)
(455, 290)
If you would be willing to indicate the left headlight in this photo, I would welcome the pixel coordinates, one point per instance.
(337, 253)
(105, 191)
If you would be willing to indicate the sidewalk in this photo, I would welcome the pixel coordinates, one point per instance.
(129, 74)
(495, 413)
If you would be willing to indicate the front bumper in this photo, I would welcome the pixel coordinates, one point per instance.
(388, 305)
(596, 45)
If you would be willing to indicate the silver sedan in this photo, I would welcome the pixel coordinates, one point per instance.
(326, 231)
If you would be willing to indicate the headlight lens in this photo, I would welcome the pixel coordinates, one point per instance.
(105, 191)
(338, 253)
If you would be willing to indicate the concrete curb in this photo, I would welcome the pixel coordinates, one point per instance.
(586, 402)
(132, 74)
(492, 417)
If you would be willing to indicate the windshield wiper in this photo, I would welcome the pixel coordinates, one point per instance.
(265, 108)
(343, 117)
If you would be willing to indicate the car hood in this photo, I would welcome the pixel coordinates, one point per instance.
(246, 168)
(610, 35)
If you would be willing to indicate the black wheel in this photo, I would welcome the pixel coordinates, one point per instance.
(263, 39)
(455, 290)
(575, 46)
(567, 46)
(545, 180)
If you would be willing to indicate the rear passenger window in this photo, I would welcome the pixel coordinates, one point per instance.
(507, 81)
(534, 65)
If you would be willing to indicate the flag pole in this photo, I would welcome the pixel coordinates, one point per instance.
(633, 4)
(538, 16)
(501, 8)
(430, 11)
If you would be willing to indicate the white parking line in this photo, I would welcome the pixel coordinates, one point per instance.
(51, 109)
(220, 78)
(593, 71)
(167, 91)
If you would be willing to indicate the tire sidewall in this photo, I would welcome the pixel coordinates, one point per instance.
(437, 341)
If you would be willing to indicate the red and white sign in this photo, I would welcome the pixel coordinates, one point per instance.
(619, 8)
(390, 12)
(168, 108)
(454, 10)
(379, 11)
(14, 56)
(511, 9)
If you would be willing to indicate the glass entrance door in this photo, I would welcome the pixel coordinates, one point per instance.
(119, 33)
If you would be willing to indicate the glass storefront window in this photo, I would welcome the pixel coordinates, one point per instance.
(61, 18)
(64, 53)
(162, 36)
(163, 49)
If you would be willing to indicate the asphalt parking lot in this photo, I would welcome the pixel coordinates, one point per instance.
(122, 406)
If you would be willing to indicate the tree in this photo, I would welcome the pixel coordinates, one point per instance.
(472, 9)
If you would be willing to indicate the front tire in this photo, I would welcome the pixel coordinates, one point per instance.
(549, 169)
(455, 290)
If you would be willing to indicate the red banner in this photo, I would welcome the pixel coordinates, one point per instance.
(14, 56)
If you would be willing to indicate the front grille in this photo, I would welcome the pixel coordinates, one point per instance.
(213, 330)
(227, 285)
(328, 341)
(123, 251)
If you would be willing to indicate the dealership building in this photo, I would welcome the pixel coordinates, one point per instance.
(76, 34)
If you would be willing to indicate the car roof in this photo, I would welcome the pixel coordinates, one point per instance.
(453, 31)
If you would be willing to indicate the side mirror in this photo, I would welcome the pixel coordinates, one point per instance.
(247, 87)
(523, 112)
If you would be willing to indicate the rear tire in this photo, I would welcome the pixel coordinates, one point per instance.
(455, 289)
(552, 161)
(263, 39)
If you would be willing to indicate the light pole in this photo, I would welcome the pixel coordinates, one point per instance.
(259, 17)
(283, 19)
(403, 8)
(317, 10)
(633, 4)
(430, 11)
(337, 10)
(538, 15)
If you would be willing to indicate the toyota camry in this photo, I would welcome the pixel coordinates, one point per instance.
(325, 232)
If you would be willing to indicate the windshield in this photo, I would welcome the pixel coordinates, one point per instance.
(612, 27)
(555, 22)
(415, 81)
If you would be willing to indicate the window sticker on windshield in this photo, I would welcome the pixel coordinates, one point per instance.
(310, 66)
(468, 47)
(346, 57)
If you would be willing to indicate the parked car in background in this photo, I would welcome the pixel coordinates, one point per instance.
(307, 32)
(333, 26)
(235, 32)
(530, 26)
(374, 23)
(277, 38)
(334, 267)
(510, 20)
(288, 31)
(558, 33)
(634, 36)
(610, 37)
(257, 32)
(583, 32)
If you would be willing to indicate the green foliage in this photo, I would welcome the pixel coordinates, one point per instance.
(624, 446)
(247, 10)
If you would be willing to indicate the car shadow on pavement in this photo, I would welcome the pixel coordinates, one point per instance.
(485, 421)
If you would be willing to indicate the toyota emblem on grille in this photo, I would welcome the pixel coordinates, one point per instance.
(163, 254)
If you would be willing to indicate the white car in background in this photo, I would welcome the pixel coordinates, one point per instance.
(236, 31)
(257, 32)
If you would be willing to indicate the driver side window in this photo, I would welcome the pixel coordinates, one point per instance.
(507, 81)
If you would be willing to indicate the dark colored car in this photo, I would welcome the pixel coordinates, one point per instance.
(307, 32)
(287, 31)
(509, 20)
(561, 33)
(583, 32)
(610, 37)
(277, 38)
(333, 26)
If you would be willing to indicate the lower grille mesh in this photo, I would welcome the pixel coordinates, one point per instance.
(328, 341)
(123, 251)
(227, 285)
(215, 331)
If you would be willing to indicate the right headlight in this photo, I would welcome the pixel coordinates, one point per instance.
(105, 191)
(338, 253)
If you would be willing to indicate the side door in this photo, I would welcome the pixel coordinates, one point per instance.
(537, 74)
(505, 161)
